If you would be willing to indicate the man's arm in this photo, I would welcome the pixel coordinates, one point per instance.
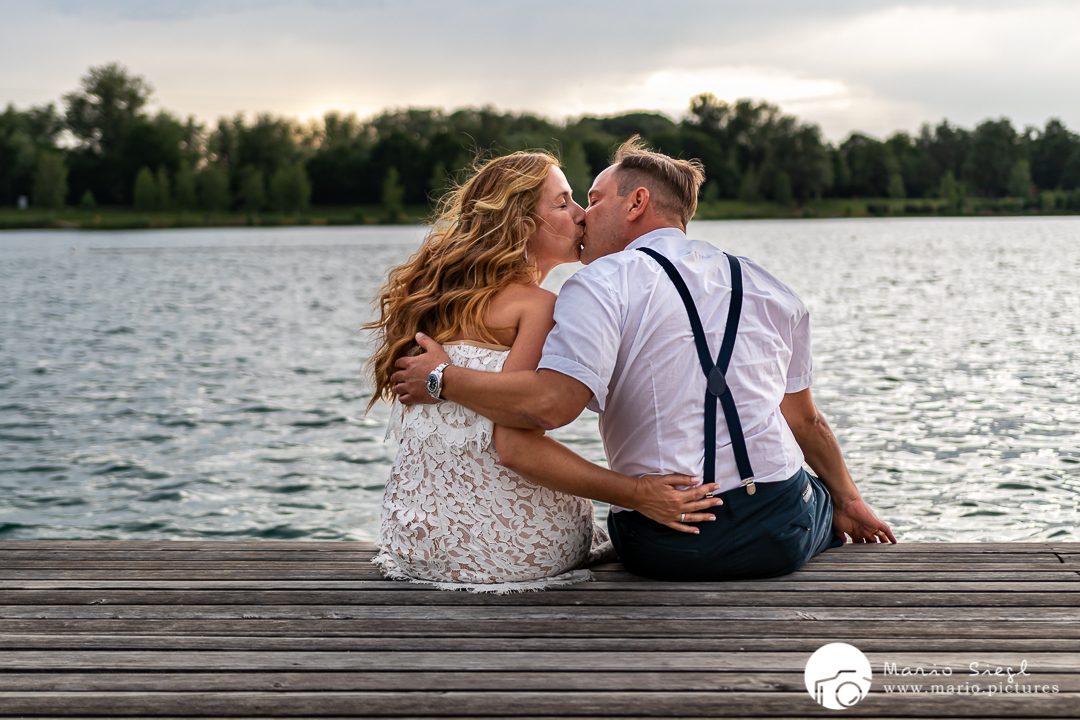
(851, 515)
(547, 462)
(542, 399)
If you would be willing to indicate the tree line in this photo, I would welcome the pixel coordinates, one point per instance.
(103, 146)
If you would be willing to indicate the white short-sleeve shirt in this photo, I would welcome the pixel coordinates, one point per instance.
(622, 330)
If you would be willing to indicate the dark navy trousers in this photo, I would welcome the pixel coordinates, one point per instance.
(772, 532)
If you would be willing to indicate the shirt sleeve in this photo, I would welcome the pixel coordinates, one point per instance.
(800, 374)
(584, 343)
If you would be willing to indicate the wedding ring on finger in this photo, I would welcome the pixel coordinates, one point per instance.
(682, 517)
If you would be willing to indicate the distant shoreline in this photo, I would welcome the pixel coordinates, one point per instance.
(130, 219)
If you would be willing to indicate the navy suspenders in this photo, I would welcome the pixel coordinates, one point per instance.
(717, 386)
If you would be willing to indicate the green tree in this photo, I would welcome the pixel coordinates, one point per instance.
(1050, 150)
(290, 189)
(393, 197)
(115, 136)
(578, 173)
(185, 194)
(782, 191)
(953, 193)
(146, 195)
(24, 135)
(214, 195)
(87, 202)
(439, 182)
(871, 164)
(896, 187)
(50, 181)
(164, 191)
(841, 172)
(1070, 173)
(268, 144)
(1020, 180)
(994, 152)
(750, 187)
(710, 191)
(104, 109)
(252, 190)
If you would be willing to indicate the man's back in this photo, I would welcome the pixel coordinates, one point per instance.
(622, 330)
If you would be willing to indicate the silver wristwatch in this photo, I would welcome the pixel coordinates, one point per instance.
(434, 381)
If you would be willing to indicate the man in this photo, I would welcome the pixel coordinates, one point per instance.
(625, 345)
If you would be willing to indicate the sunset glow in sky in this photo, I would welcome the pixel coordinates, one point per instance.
(873, 66)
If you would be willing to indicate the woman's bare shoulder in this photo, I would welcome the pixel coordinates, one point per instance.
(519, 305)
(525, 297)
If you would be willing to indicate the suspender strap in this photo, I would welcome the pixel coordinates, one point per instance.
(714, 372)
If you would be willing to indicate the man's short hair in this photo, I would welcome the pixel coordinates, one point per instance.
(673, 184)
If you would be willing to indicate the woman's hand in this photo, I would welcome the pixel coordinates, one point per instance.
(657, 498)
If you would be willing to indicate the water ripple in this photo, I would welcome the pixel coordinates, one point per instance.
(198, 384)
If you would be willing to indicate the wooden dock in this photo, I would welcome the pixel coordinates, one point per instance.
(310, 629)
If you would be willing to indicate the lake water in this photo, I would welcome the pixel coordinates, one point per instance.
(206, 383)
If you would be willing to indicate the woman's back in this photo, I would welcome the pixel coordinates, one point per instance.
(452, 514)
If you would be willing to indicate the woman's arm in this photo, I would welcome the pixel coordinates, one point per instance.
(549, 463)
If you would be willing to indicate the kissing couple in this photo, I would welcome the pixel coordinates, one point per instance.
(698, 363)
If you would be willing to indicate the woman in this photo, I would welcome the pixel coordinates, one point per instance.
(453, 516)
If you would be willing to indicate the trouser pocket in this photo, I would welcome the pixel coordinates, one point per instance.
(652, 550)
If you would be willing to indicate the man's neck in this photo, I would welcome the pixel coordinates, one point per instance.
(644, 227)
(642, 231)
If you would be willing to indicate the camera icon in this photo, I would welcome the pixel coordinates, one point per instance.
(838, 676)
(845, 688)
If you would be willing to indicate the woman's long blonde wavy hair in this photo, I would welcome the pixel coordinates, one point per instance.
(475, 248)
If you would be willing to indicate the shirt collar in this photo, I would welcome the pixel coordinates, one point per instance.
(656, 237)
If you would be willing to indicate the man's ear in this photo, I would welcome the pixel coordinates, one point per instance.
(639, 202)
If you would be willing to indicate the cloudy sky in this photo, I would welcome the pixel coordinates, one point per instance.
(871, 65)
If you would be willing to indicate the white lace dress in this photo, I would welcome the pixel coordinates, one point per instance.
(453, 517)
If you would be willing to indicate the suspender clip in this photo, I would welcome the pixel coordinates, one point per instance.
(748, 483)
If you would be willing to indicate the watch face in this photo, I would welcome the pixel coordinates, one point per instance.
(432, 384)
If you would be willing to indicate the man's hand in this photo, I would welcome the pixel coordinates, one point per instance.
(656, 497)
(855, 519)
(410, 381)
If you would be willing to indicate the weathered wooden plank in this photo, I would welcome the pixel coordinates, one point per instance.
(871, 571)
(185, 545)
(444, 681)
(478, 613)
(246, 572)
(844, 559)
(458, 717)
(12, 579)
(235, 556)
(585, 661)
(120, 641)
(189, 563)
(628, 704)
(545, 628)
(868, 591)
(13, 568)
(355, 546)
(171, 556)
(413, 681)
(642, 598)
